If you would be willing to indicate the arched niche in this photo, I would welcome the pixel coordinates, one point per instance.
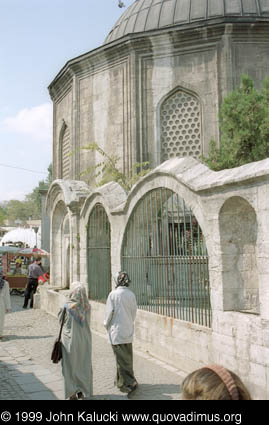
(58, 252)
(238, 235)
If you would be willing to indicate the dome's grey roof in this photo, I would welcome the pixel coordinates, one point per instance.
(146, 15)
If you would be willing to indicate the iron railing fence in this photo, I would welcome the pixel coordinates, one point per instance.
(99, 255)
(165, 254)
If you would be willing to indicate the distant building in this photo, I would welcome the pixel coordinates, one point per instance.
(32, 223)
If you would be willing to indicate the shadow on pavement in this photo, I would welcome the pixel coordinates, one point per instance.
(107, 397)
(154, 392)
(13, 337)
(19, 385)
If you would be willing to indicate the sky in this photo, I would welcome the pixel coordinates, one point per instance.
(37, 38)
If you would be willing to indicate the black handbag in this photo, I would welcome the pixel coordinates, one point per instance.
(56, 354)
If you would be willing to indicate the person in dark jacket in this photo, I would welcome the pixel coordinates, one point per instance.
(34, 271)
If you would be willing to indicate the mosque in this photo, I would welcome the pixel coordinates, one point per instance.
(152, 92)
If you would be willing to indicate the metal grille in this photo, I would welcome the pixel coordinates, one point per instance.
(180, 126)
(166, 257)
(99, 261)
(66, 154)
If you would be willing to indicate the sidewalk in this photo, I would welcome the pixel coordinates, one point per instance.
(27, 373)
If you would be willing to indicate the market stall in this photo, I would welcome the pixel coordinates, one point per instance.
(15, 262)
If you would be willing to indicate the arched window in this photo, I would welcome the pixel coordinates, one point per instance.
(180, 120)
(165, 254)
(99, 261)
(64, 153)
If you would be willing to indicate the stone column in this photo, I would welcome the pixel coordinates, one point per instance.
(74, 210)
(75, 130)
(45, 222)
(263, 250)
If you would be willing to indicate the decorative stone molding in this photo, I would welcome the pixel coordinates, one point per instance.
(73, 193)
(111, 193)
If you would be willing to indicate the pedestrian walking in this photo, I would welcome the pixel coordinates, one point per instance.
(34, 271)
(76, 344)
(214, 382)
(119, 321)
(5, 304)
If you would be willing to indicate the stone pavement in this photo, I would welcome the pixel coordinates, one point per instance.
(27, 373)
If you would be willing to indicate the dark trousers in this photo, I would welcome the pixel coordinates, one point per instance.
(124, 363)
(30, 291)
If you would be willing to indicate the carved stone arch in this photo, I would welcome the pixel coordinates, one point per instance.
(164, 250)
(180, 125)
(64, 151)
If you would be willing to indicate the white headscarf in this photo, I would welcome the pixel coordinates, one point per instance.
(78, 303)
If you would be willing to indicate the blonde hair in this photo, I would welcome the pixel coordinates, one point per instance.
(214, 382)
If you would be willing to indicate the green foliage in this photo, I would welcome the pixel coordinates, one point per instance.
(108, 170)
(48, 180)
(2, 215)
(33, 199)
(17, 210)
(244, 125)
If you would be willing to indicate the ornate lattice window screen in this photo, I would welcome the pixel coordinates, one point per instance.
(66, 154)
(180, 126)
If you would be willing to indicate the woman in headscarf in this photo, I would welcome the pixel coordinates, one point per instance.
(76, 344)
(4, 301)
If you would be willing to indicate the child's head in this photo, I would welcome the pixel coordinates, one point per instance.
(214, 382)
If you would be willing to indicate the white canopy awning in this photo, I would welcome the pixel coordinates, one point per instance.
(26, 236)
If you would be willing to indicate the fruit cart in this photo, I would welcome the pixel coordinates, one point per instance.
(17, 276)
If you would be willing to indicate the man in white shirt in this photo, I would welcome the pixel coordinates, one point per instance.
(119, 321)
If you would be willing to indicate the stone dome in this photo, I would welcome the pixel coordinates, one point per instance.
(147, 15)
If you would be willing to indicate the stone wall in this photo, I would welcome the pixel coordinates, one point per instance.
(103, 111)
(232, 209)
(62, 118)
(113, 96)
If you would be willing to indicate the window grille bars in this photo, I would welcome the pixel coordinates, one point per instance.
(98, 254)
(165, 254)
